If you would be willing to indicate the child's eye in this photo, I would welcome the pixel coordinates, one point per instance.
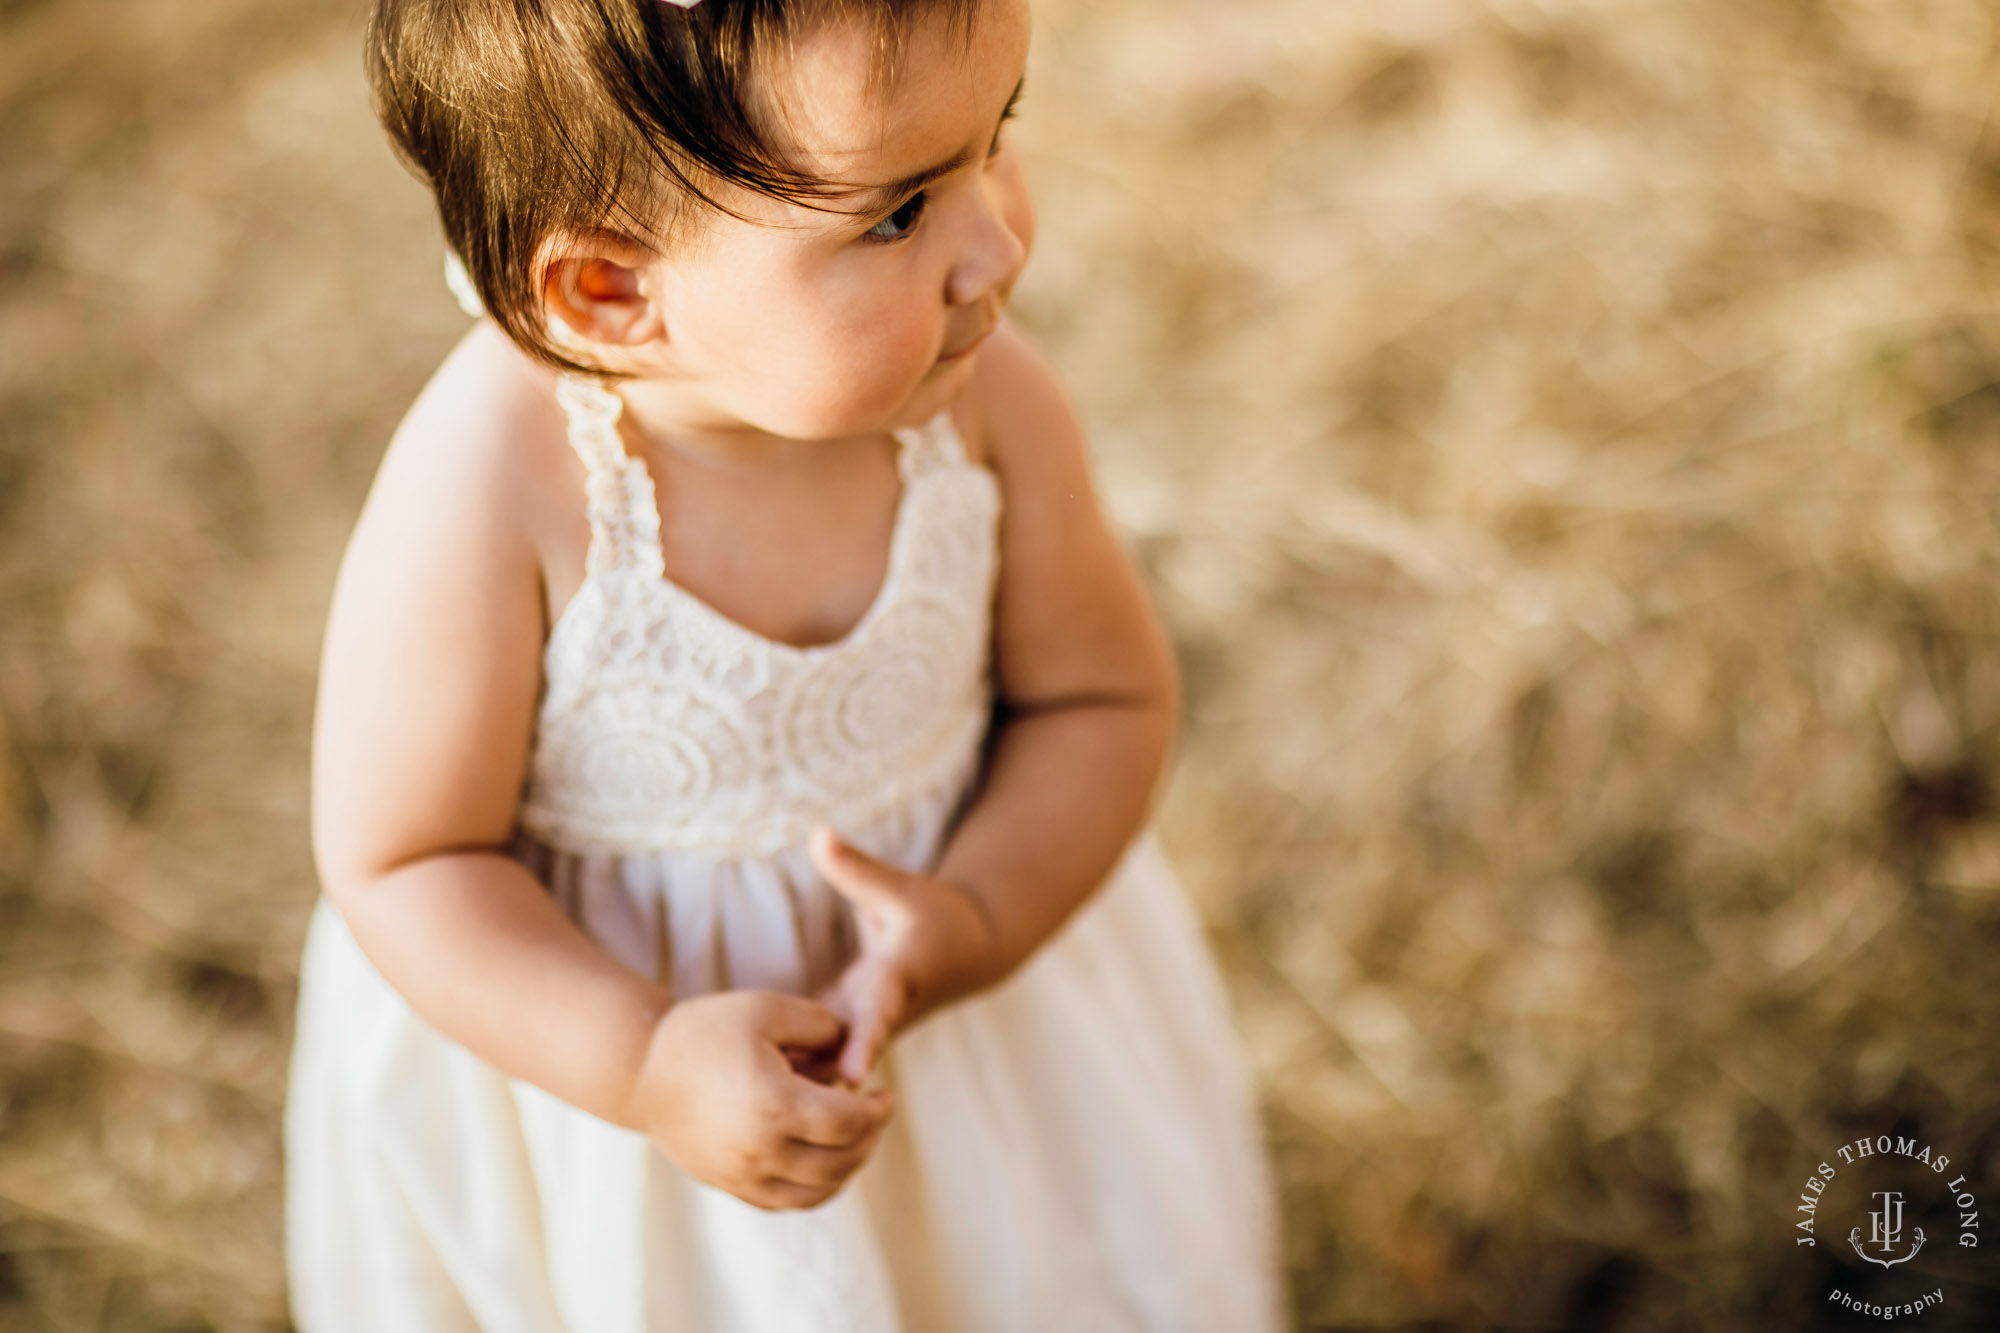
(904, 219)
(1005, 116)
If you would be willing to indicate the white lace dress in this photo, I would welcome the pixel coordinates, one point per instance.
(1074, 1150)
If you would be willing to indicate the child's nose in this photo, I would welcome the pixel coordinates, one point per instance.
(994, 250)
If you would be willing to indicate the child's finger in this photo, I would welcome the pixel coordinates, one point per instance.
(814, 1165)
(864, 1043)
(860, 1022)
(794, 1020)
(796, 1158)
(834, 997)
(854, 874)
(835, 1117)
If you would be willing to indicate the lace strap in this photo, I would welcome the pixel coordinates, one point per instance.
(934, 444)
(624, 517)
(950, 443)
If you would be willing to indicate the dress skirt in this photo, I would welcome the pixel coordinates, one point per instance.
(1076, 1150)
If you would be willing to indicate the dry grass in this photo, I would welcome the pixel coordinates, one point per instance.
(1562, 437)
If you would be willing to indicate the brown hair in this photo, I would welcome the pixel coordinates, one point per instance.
(529, 117)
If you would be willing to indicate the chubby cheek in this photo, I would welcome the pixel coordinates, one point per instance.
(848, 371)
(810, 349)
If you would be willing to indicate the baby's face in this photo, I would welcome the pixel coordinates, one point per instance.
(816, 325)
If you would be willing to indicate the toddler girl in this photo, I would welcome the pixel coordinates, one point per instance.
(738, 729)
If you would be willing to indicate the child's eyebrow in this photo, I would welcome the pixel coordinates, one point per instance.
(880, 198)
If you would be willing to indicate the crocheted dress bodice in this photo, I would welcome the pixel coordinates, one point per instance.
(664, 724)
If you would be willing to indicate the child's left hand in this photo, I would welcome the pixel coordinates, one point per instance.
(923, 945)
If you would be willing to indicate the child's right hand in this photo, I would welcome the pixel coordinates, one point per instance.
(720, 1095)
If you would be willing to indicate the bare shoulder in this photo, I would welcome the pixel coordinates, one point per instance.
(1015, 413)
(1071, 616)
(483, 442)
(431, 661)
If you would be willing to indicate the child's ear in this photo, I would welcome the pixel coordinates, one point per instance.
(596, 287)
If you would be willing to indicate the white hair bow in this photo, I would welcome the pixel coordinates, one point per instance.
(460, 282)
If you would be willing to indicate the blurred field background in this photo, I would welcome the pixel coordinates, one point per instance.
(1564, 438)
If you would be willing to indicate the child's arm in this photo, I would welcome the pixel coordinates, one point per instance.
(1089, 696)
(1088, 689)
(429, 681)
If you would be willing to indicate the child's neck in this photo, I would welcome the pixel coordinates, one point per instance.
(671, 418)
